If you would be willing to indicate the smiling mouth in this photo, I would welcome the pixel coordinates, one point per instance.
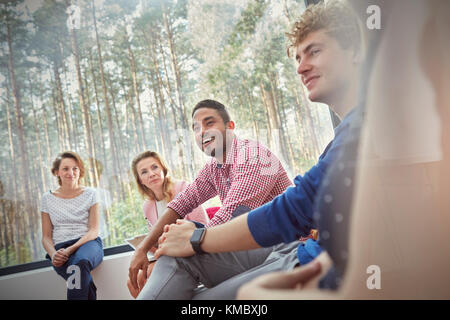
(207, 141)
(309, 82)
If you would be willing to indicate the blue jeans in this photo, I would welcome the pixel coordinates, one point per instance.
(77, 270)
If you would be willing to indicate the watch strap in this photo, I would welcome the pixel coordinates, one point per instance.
(197, 239)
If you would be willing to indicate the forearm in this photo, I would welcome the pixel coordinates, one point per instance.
(92, 234)
(151, 240)
(47, 243)
(231, 236)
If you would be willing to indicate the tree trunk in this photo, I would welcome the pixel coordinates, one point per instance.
(283, 123)
(266, 108)
(12, 153)
(252, 110)
(93, 172)
(71, 129)
(44, 119)
(304, 150)
(65, 126)
(98, 114)
(160, 107)
(7, 206)
(159, 143)
(84, 110)
(175, 69)
(112, 138)
(179, 95)
(23, 155)
(129, 96)
(275, 115)
(43, 185)
(136, 92)
(59, 129)
(307, 108)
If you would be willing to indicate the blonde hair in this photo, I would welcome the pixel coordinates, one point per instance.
(146, 192)
(335, 17)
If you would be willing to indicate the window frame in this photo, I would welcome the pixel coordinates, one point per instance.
(41, 264)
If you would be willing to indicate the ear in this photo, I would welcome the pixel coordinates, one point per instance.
(230, 125)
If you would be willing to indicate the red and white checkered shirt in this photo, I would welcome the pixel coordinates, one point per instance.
(251, 176)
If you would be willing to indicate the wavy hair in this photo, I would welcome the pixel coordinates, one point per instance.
(335, 17)
(147, 193)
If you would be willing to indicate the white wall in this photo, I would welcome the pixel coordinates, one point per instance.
(110, 277)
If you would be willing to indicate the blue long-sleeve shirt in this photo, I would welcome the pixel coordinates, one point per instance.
(290, 215)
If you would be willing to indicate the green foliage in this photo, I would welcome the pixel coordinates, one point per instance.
(127, 218)
(24, 255)
(247, 25)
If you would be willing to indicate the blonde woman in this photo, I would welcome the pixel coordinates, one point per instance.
(70, 226)
(158, 189)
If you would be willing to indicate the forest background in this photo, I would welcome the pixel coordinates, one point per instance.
(112, 78)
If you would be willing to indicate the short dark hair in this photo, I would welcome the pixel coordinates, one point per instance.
(213, 104)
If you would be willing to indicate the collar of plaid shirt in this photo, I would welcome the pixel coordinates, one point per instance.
(231, 152)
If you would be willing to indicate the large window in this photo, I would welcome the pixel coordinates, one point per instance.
(110, 79)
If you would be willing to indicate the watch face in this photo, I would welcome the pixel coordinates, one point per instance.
(197, 235)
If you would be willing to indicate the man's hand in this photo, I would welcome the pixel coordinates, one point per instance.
(139, 261)
(175, 241)
(282, 284)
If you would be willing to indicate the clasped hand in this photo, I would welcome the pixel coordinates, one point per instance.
(60, 257)
(175, 240)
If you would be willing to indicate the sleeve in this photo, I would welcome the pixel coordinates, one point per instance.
(252, 183)
(44, 206)
(199, 191)
(146, 211)
(95, 197)
(198, 214)
(290, 215)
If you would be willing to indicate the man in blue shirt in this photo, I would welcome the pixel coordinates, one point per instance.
(327, 44)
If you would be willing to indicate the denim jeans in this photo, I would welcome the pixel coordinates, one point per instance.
(77, 270)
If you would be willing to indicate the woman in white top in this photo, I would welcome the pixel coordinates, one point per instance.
(70, 227)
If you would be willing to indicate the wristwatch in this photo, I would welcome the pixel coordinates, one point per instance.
(197, 238)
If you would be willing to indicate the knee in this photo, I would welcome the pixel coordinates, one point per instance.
(150, 268)
(81, 262)
(165, 262)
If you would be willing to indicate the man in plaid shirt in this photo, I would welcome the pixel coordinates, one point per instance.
(243, 173)
(250, 176)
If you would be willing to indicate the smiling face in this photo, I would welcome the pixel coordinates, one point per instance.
(326, 69)
(151, 174)
(210, 132)
(68, 171)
